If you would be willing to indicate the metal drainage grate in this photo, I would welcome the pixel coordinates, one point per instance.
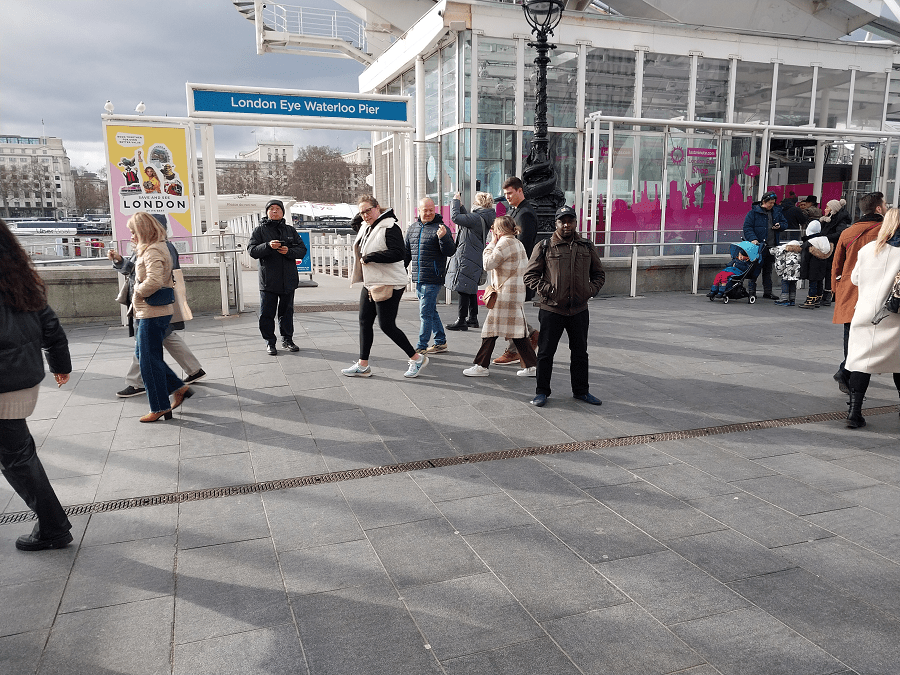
(339, 476)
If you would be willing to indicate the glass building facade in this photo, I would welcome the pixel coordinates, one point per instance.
(668, 185)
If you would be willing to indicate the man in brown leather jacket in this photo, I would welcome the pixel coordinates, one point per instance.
(566, 272)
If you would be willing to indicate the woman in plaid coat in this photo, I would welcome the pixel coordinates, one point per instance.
(505, 258)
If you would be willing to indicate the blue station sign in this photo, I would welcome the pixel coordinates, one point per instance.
(296, 105)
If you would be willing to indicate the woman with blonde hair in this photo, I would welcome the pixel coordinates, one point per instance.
(153, 305)
(505, 258)
(465, 268)
(874, 348)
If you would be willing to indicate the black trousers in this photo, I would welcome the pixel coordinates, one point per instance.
(270, 305)
(386, 313)
(26, 475)
(552, 327)
(468, 305)
(766, 265)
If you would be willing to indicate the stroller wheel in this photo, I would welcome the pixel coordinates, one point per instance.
(726, 299)
(752, 299)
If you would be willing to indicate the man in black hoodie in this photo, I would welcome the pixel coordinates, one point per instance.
(278, 247)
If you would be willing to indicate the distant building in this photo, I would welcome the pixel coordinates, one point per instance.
(360, 162)
(35, 178)
(267, 161)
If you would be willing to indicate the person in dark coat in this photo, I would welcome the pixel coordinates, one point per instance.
(278, 247)
(28, 325)
(815, 261)
(465, 268)
(763, 226)
(526, 219)
(835, 220)
(428, 244)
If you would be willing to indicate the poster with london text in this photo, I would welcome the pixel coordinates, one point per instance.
(148, 169)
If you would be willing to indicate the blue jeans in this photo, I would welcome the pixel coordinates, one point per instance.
(158, 378)
(429, 320)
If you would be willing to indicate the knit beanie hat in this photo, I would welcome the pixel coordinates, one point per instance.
(275, 202)
(834, 205)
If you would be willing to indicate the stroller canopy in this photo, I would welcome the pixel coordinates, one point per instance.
(751, 249)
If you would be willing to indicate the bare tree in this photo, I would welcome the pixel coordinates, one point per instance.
(88, 193)
(321, 175)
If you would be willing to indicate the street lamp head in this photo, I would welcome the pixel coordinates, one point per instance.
(543, 15)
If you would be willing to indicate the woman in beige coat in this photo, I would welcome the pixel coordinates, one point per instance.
(153, 272)
(874, 348)
(504, 257)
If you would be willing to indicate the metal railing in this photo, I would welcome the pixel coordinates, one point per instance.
(314, 22)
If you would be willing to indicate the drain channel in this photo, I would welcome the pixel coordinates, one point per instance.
(354, 474)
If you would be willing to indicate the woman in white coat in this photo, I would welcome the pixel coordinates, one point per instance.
(379, 251)
(505, 258)
(874, 348)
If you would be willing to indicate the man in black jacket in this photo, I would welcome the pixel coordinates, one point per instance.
(523, 213)
(278, 247)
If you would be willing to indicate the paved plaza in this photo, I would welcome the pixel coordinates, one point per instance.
(772, 549)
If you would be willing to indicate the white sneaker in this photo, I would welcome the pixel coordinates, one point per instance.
(357, 370)
(527, 372)
(415, 367)
(476, 371)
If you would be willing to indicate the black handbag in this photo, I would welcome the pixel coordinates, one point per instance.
(164, 296)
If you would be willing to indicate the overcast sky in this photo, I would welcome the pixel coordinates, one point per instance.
(61, 61)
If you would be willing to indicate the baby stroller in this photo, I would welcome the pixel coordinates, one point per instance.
(734, 289)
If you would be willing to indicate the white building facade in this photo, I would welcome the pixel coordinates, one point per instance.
(35, 178)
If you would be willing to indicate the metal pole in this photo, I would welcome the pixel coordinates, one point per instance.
(695, 281)
(634, 260)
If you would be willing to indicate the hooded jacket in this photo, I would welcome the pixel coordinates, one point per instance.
(277, 272)
(756, 225)
(380, 246)
(564, 274)
(427, 253)
(465, 268)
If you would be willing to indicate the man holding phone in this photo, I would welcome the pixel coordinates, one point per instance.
(277, 246)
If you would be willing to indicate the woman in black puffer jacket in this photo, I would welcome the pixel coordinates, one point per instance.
(465, 267)
(27, 324)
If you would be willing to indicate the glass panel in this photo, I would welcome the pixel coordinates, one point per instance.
(893, 109)
(562, 86)
(868, 100)
(740, 176)
(496, 159)
(448, 86)
(561, 152)
(448, 175)
(666, 81)
(793, 96)
(753, 92)
(690, 205)
(432, 168)
(609, 84)
(408, 88)
(832, 97)
(393, 88)
(465, 153)
(466, 40)
(432, 103)
(712, 89)
(496, 81)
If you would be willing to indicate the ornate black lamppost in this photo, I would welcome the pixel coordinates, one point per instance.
(538, 175)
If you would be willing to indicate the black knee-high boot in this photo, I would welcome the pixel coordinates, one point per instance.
(472, 321)
(859, 383)
(460, 323)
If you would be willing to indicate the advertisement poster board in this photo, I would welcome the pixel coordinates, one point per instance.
(305, 264)
(149, 171)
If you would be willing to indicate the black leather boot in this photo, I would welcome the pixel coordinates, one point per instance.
(472, 322)
(842, 377)
(855, 419)
(459, 324)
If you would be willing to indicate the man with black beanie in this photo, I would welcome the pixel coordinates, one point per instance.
(278, 247)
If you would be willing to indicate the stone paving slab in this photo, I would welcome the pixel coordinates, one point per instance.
(772, 550)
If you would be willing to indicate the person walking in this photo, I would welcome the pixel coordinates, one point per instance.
(504, 256)
(522, 212)
(379, 252)
(851, 240)
(466, 266)
(153, 287)
(762, 226)
(428, 245)
(28, 325)
(834, 220)
(278, 247)
(874, 348)
(566, 272)
(173, 343)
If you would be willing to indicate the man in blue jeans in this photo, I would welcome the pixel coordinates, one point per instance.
(428, 245)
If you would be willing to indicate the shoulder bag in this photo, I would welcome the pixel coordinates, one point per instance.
(891, 304)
